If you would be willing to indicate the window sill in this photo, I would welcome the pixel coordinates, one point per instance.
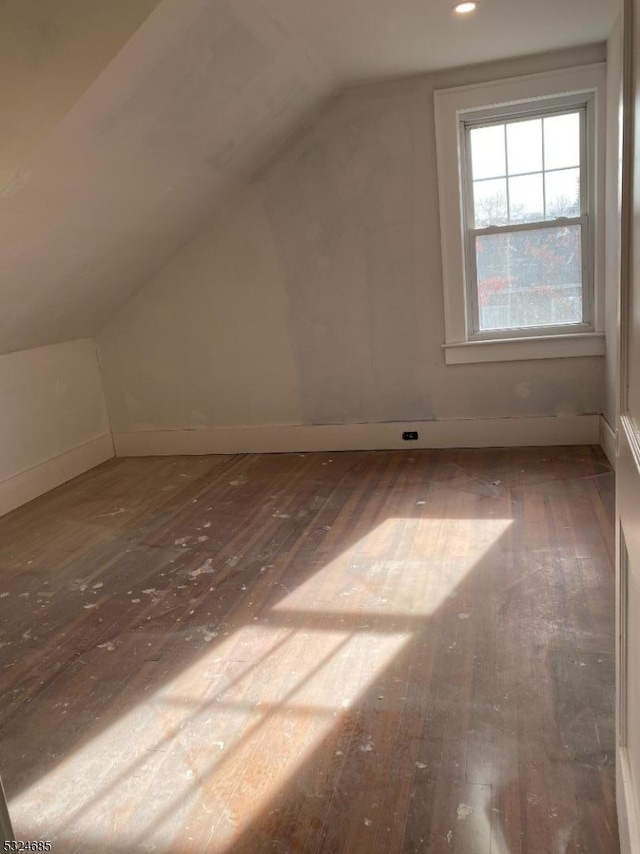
(523, 349)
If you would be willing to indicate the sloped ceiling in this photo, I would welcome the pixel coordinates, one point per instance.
(49, 54)
(125, 125)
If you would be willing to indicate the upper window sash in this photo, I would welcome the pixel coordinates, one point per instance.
(581, 104)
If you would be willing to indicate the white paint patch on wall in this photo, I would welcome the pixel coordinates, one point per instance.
(316, 295)
(52, 405)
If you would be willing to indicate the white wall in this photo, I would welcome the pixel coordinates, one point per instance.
(315, 297)
(54, 421)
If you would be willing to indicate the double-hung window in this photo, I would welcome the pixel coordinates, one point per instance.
(527, 221)
(520, 213)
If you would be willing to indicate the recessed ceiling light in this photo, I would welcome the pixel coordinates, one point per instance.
(466, 7)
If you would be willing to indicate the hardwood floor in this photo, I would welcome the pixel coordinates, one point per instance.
(350, 652)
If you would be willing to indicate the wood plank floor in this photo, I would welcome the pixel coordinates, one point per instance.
(350, 652)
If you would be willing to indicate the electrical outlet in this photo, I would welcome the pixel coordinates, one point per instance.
(410, 435)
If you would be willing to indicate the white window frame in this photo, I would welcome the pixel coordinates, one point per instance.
(455, 109)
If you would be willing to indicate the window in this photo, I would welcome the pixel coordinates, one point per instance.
(519, 210)
(528, 222)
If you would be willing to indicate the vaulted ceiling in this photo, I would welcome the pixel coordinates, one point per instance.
(126, 122)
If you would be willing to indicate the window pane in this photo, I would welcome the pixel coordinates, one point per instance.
(563, 193)
(524, 146)
(487, 152)
(526, 199)
(562, 141)
(529, 278)
(490, 202)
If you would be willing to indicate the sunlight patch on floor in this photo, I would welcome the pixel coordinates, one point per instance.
(234, 728)
(437, 556)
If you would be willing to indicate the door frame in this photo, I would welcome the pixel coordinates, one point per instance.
(627, 444)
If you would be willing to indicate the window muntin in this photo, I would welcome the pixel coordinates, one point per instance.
(527, 222)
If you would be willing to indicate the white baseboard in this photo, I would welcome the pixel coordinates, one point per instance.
(625, 801)
(23, 487)
(608, 441)
(458, 433)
